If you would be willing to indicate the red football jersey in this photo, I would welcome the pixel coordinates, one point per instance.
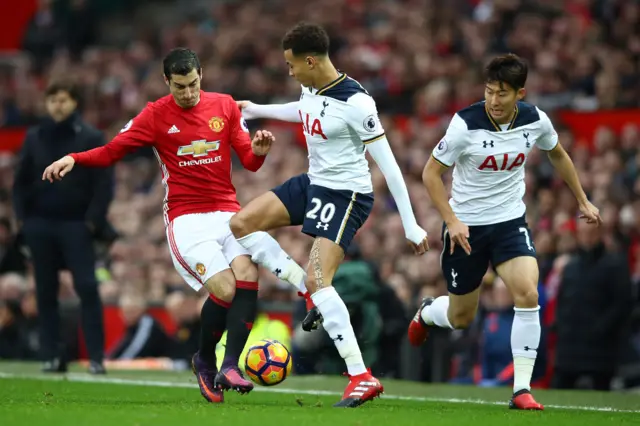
(193, 147)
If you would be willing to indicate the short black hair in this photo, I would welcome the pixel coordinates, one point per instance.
(180, 61)
(306, 38)
(510, 69)
(68, 86)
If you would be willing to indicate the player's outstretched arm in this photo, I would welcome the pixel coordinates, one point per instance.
(137, 133)
(563, 164)
(383, 156)
(283, 112)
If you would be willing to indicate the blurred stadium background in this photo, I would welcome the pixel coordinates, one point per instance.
(421, 60)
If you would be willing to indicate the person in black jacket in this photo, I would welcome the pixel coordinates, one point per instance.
(144, 336)
(594, 307)
(60, 222)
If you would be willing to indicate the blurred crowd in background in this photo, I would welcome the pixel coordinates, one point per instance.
(421, 60)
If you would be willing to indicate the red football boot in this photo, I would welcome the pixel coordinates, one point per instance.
(418, 329)
(361, 388)
(523, 400)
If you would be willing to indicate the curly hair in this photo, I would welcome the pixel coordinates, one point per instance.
(306, 38)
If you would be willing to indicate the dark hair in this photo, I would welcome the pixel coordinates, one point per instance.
(306, 38)
(68, 86)
(510, 69)
(180, 61)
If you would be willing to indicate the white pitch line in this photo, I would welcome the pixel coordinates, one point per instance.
(86, 378)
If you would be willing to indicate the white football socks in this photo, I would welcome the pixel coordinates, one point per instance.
(337, 324)
(266, 251)
(436, 313)
(525, 338)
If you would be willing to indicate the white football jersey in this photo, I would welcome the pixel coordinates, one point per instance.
(488, 175)
(338, 120)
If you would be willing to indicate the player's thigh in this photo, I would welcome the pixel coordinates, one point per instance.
(197, 252)
(282, 206)
(513, 257)
(336, 215)
(464, 274)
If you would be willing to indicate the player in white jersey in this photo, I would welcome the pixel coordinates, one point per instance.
(333, 200)
(485, 219)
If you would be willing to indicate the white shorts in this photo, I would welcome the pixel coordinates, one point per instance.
(202, 245)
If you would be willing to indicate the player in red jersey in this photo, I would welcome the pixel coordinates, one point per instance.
(192, 133)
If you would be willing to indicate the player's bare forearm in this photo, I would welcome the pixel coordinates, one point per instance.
(432, 179)
(563, 164)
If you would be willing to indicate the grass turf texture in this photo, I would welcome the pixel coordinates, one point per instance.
(124, 398)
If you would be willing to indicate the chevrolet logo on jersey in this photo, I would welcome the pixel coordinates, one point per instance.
(199, 148)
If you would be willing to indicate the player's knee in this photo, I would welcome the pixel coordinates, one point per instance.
(240, 225)
(461, 320)
(222, 286)
(526, 297)
(248, 272)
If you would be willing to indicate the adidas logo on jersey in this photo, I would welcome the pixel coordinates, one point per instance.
(173, 129)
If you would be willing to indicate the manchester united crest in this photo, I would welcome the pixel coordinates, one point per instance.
(201, 269)
(216, 124)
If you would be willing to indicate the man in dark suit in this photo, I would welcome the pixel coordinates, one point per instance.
(60, 222)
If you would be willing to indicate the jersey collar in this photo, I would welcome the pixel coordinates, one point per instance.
(496, 125)
(334, 83)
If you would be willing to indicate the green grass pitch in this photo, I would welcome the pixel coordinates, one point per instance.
(134, 398)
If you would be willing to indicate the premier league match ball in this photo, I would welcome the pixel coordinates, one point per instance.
(268, 362)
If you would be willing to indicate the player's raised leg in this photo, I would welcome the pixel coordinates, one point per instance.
(521, 277)
(464, 273)
(249, 227)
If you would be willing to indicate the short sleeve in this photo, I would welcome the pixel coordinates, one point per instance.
(452, 144)
(548, 138)
(362, 116)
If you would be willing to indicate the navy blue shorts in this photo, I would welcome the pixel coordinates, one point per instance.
(323, 212)
(490, 245)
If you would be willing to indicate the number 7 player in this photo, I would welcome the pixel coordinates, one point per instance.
(485, 218)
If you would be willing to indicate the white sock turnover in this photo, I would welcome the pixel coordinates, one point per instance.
(436, 313)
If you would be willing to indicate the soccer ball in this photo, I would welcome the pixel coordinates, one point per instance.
(268, 362)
